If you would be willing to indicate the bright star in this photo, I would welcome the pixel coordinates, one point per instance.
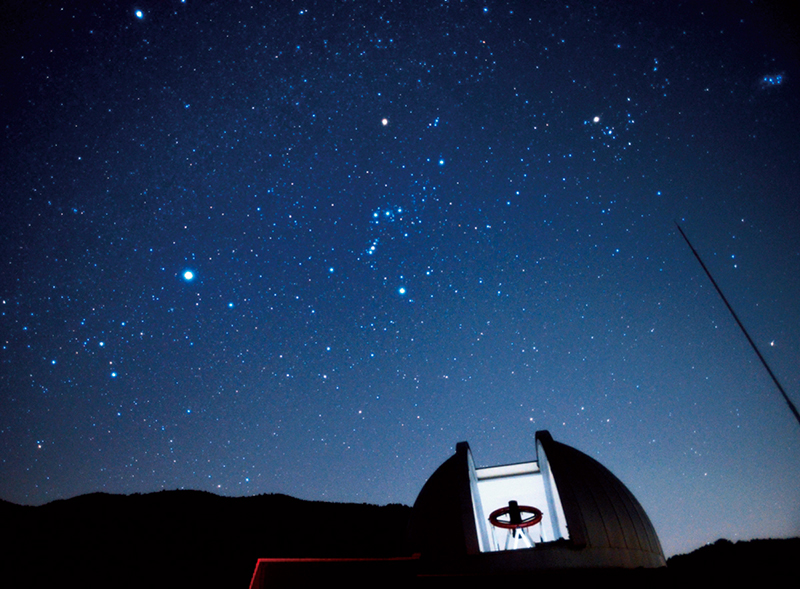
(384, 121)
(402, 290)
(139, 14)
(188, 276)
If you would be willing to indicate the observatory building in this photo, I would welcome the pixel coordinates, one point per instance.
(563, 511)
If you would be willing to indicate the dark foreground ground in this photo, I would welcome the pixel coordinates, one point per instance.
(197, 539)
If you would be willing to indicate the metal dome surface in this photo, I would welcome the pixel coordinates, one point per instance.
(590, 518)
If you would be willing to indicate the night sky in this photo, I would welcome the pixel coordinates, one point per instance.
(306, 247)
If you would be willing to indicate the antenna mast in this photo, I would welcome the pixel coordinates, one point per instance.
(747, 335)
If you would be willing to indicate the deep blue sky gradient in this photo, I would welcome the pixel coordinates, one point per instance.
(408, 224)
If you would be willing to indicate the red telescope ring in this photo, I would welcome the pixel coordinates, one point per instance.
(534, 518)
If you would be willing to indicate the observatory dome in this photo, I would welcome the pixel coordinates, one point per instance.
(562, 510)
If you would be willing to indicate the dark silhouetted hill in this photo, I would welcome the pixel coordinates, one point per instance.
(183, 538)
(753, 562)
(198, 539)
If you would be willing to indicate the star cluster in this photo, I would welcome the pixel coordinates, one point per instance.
(307, 248)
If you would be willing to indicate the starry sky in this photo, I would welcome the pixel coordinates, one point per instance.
(306, 247)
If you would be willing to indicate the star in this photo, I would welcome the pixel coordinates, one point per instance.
(540, 256)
